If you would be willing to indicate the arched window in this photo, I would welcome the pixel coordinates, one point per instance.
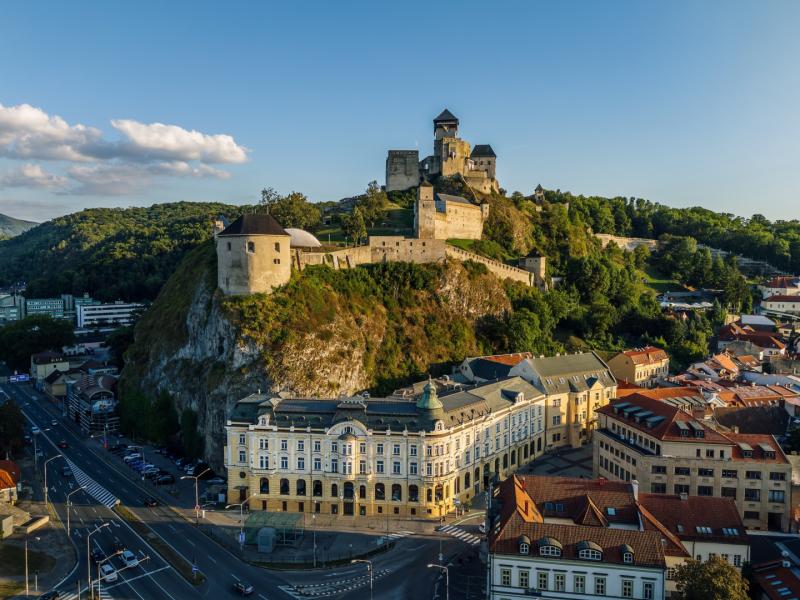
(505, 461)
(334, 490)
(277, 247)
(429, 495)
(524, 548)
(264, 487)
(362, 492)
(627, 558)
(284, 487)
(251, 247)
(589, 551)
(466, 481)
(317, 488)
(514, 457)
(439, 492)
(413, 493)
(348, 490)
(301, 487)
(496, 466)
(380, 491)
(397, 492)
(549, 551)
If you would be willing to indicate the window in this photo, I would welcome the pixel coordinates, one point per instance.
(729, 474)
(301, 463)
(600, 586)
(380, 449)
(705, 472)
(317, 464)
(277, 247)
(549, 551)
(412, 468)
(705, 490)
(777, 476)
(559, 582)
(264, 487)
(284, 462)
(658, 488)
(524, 548)
(242, 456)
(396, 467)
(778, 496)
(681, 470)
(681, 488)
(334, 446)
(263, 462)
(557, 420)
(413, 450)
(251, 247)
(589, 554)
(334, 465)
(505, 576)
(379, 467)
(263, 444)
(627, 588)
(284, 445)
(737, 560)
(659, 469)
(229, 246)
(709, 453)
(752, 514)
(242, 440)
(648, 590)
(524, 578)
(362, 467)
(579, 584)
(752, 474)
(396, 450)
(627, 558)
(542, 578)
(752, 495)
(317, 446)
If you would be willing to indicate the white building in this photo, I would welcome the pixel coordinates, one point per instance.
(99, 315)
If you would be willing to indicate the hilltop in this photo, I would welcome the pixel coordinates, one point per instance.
(9, 226)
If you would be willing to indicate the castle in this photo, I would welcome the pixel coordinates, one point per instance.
(255, 254)
(451, 157)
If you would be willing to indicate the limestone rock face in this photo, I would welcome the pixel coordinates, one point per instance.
(208, 350)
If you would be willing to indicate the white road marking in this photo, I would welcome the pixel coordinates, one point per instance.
(211, 559)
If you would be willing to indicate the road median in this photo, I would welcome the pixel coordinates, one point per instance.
(167, 552)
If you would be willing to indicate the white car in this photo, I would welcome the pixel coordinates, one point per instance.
(54, 423)
(131, 457)
(35, 430)
(482, 527)
(108, 573)
(129, 558)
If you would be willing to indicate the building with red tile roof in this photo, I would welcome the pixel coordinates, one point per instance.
(9, 478)
(641, 366)
(669, 450)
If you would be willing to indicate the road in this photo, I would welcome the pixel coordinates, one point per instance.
(401, 573)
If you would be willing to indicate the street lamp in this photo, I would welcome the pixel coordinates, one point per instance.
(446, 578)
(45, 474)
(89, 557)
(314, 531)
(36, 446)
(196, 495)
(27, 590)
(369, 570)
(69, 504)
(241, 518)
(99, 572)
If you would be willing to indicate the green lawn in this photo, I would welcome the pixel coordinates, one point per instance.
(659, 283)
(12, 560)
(399, 221)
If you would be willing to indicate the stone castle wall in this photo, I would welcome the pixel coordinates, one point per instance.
(496, 267)
(346, 258)
(461, 221)
(402, 169)
(262, 267)
(626, 243)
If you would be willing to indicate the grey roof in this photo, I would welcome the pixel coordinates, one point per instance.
(395, 413)
(451, 198)
(571, 372)
(483, 150)
(445, 115)
(489, 369)
(254, 224)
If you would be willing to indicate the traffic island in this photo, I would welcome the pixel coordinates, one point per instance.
(167, 552)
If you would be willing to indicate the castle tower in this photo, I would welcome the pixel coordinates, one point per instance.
(537, 265)
(253, 255)
(425, 212)
(402, 169)
(445, 125)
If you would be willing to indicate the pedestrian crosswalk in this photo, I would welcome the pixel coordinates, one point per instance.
(464, 536)
(94, 489)
(104, 595)
(399, 535)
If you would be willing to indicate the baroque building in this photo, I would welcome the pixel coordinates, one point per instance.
(420, 452)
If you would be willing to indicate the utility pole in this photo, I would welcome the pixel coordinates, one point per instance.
(196, 495)
(89, 557)
(69, 504)
(45, 474)
(369, 569)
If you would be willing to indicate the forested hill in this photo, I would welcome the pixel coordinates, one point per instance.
(777, 242)
(112, 253)
(9, 226)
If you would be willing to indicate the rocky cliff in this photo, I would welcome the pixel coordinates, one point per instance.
(326, 333)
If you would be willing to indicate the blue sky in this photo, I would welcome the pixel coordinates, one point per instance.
(684, 103)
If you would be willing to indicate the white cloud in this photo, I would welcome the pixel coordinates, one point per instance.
(143, 153)
(33, 176)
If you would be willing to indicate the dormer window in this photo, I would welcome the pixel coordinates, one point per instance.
(589, 551)
(549, 546)
(627, 558)
(524, 548)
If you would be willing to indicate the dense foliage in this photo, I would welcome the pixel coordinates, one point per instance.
(714, 579)
(12, 429)
(292, 210)
(9, 226)
(37, 333)
(112, 253)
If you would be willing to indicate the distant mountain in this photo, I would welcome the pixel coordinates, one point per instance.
(112, 253)
(9, 226)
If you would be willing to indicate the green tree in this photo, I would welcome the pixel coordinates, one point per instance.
(641, 256)
(293, 210)
(118, 342)
(354, 225)
(37, 333)
(12, 429)
(192, 438)
(714, 579)
(373, 204)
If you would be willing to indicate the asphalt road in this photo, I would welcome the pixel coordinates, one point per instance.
(399, 574)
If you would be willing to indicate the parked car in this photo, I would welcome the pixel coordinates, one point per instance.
(152, 473)
(35, 430)
(63, 444)
(242, 588)
(117, 546)
(54, 423)
(98, 555)
(108, 573)
(150, 502)
(129, 558)
(131, 457)
(164, 479)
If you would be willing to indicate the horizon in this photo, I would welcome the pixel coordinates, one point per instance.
(682, 104)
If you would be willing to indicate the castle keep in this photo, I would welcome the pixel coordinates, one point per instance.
(451, 157)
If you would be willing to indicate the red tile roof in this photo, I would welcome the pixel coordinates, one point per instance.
(773, 581)
(782, 298)
(682, 517)
(782, 281)
(12, 469)
(647, 355)
(510, 360)
(754, 440)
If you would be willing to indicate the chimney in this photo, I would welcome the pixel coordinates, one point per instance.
(684, 496)
(635, 488)
(735, 429)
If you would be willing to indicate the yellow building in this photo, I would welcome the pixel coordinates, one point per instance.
(640, 366)
(421, 452)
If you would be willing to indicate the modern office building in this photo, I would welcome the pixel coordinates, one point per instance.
(106, 315)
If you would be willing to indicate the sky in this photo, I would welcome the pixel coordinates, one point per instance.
(120, 104)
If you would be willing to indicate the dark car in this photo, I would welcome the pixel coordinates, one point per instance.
(54, 595)
(242, 588)
(117, 546)
(150, 501)
(63, 444)
(180, 462)
(164, 479)
(98, 555)
(66, 472)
